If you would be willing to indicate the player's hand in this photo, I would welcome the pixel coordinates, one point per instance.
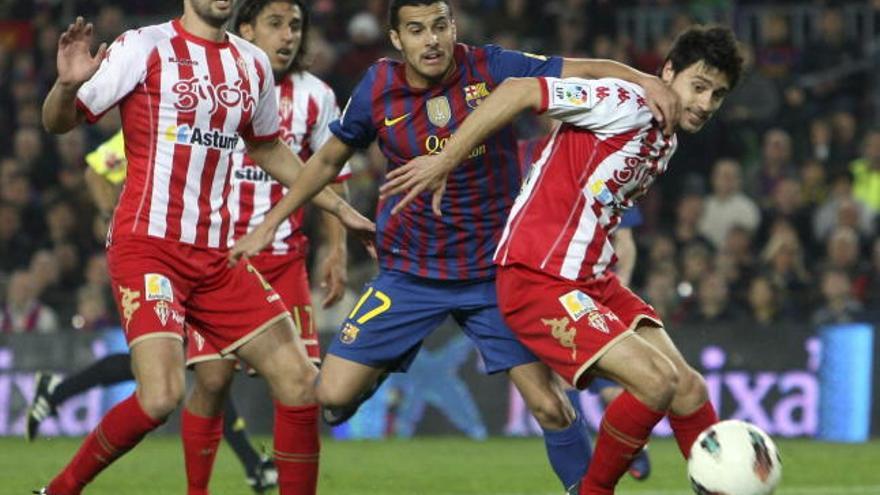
(359, 225)
(663, 103)
(76, 64)
(334, 276)
(251, 244)
(424, 173)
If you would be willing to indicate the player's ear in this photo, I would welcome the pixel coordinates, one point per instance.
(246, 31)
(395, 39)
(667, 74)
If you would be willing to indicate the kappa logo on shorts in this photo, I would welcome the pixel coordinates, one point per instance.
(349, 333)
(158, 287)
(163, 311)
(129, 302)
(577, 304)
(561, 330)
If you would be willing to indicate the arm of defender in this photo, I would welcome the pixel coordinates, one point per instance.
(334, 267)
(625, 249)
(429, 172)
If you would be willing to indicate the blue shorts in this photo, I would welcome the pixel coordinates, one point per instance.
(386, 327)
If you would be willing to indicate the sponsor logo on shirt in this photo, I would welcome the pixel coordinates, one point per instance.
(183, 61)
(185, 134)
(191, 92)
(439, 111)
(158, 287)
(435, 144)
(570, 94)
(163, 311)
(253, 174)
(599, 190)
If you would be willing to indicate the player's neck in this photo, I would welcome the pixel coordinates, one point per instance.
(194, 25)
(418, 81)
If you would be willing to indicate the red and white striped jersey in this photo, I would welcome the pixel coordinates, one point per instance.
(184, 102)
(306, 106)
(606, 153)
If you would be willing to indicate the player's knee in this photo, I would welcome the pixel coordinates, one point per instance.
(329, 395)
(659, 385)
(160, 400)
(691, 389)
(293, 385)
(552, 412)
(213, 383)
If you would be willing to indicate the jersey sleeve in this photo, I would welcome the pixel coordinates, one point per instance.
(327, 113)
(607, 106)
(108, 160)
(264, 124)
(123, 68)
(511, 63)
(355, 127)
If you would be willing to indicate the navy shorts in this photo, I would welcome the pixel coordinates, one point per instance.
(397, 311)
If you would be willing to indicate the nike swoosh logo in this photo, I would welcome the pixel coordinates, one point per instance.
(391, 122)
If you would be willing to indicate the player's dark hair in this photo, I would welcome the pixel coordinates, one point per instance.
(715, 45)
(249, 10)
(395, 5)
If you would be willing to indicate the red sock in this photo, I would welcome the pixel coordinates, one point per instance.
(688, 428)
(200, 437)
(121, 429)
(625, 428)
(297, 446)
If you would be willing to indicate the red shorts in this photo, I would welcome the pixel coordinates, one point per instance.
(288, 276)
(159, 284)
(569, 324)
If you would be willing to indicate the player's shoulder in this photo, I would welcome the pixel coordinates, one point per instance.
(144, 38)
(246, 47)
(313, 83)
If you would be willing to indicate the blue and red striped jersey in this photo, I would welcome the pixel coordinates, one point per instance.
(410, 122)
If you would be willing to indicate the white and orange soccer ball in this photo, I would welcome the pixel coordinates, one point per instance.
(734, 458)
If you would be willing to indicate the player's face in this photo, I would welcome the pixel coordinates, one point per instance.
(212, 12)
(278, 31)
(426, 38)
(701, 89)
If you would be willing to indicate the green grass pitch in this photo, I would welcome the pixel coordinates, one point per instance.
(430, 466)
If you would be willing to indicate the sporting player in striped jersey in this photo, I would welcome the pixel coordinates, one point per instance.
(187, 92)
(433, 268)
(555, 286)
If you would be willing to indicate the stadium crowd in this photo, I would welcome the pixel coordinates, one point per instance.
(769, 215)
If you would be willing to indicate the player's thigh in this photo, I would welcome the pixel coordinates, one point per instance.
(389, 321)
(157, 364)
(213, 376)
(640, 368)
(691, 388)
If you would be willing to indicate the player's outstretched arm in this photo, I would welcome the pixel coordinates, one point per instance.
(662, 101)
(76, 65)
(287, 168)
(429, 172)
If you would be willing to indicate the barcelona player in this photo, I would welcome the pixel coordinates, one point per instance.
(555, 286)
(433, 268)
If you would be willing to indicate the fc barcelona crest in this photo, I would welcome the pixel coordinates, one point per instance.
(439, 111)
(475, 93)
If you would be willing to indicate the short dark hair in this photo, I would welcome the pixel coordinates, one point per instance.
(249, 10)
(395, 5)
(715, 45)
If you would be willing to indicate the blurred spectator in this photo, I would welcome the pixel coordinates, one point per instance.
(783, 265)
(727, 205)
(775, 164)
(713, 304)
(687, 220)
(844, 140)
(92, 310)
(867, 290)
(695, 261)
(840, 197)
(366, 44)
(786, 205)
(660, 291)
(866, 172)
(23, 312)
(839, 305)
(738, 246)
(15, 244)
(814, 186)
(754, 103)
(762, 301)
(843, 252)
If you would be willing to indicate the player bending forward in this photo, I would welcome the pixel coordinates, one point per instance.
(555, 288)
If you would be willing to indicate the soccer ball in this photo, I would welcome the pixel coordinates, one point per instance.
(734, 458)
